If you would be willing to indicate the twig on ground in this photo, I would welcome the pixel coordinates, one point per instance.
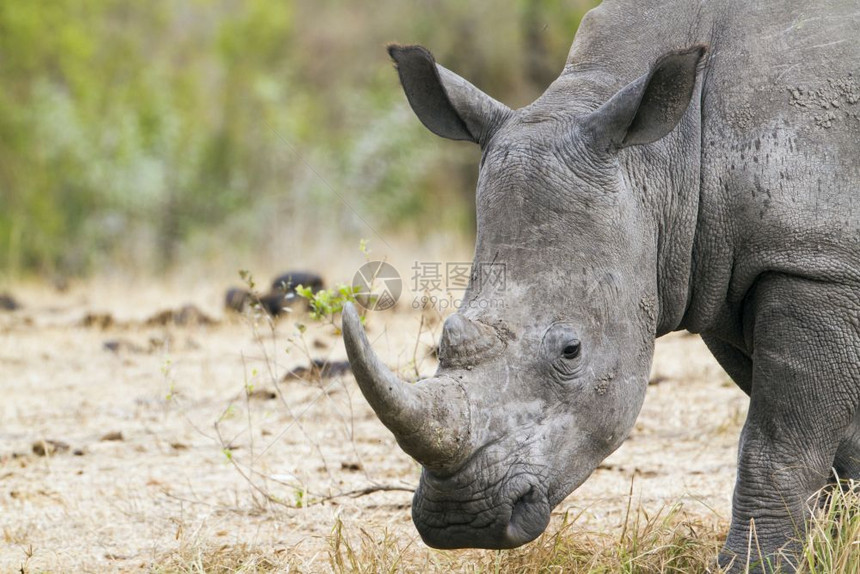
(359, 492)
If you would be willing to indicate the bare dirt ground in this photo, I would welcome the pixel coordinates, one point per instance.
(140, 477)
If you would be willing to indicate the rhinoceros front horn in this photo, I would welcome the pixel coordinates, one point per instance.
(429, 419)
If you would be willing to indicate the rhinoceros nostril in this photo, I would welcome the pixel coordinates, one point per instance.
(521, 503)
(529, 518)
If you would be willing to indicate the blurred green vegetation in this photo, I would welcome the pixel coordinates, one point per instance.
(145, 133)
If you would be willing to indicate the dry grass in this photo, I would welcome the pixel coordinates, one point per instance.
(203, 557)
(668, 541)
(833, 540)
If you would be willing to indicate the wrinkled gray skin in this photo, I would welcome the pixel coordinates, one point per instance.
(695, 166)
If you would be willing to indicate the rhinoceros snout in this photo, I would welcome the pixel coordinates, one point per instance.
(450, 520)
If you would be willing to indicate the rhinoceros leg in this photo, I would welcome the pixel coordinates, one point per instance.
(738, 365)
(804, 394)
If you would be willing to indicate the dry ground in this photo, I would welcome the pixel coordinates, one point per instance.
(268, 485)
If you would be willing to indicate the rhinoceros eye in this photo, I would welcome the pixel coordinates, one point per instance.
(561, 351)
(571, 350)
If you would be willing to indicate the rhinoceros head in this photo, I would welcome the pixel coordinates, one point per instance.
(543, 369)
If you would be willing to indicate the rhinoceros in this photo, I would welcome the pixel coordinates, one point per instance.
(695, 166)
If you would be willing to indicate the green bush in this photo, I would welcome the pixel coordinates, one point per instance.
(128, 130)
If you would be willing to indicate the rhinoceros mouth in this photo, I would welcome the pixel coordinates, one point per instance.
(454, 519)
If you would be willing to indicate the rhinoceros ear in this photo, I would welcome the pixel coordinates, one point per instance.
(650, 107)
(444, 102)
